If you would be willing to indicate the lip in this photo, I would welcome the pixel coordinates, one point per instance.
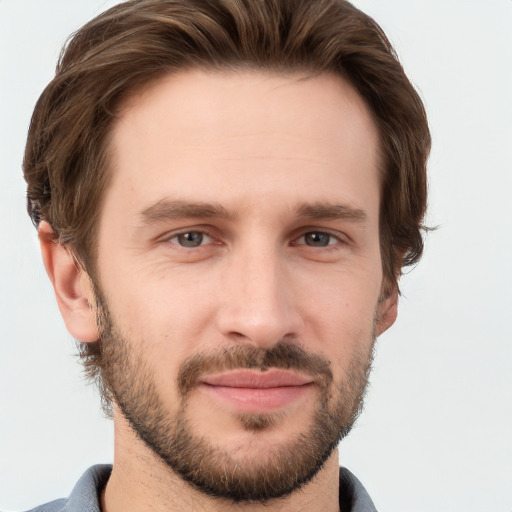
(273, 378)
(253, 391)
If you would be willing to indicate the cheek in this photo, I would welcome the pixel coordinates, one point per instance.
(166, 318)
(341, 317)
(346, 333)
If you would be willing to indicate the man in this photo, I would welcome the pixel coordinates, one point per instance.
(226, 192)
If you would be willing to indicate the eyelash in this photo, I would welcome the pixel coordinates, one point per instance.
(189, 232)
(295, 242)
(331, 237)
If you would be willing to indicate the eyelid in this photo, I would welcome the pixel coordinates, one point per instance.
(208, 231)
(336, 239)
(206, 240)
(339, 236)
(167, 237)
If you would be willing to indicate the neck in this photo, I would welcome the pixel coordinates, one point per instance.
(141, 481)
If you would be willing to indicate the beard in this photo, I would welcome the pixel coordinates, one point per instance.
(270, 472)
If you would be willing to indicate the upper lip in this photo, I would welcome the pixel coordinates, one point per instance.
(271, 378)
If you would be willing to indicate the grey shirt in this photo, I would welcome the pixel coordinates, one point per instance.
(85, 497)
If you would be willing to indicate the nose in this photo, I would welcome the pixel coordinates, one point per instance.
(259, 306)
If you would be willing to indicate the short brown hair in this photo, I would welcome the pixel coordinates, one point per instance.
(133, 43)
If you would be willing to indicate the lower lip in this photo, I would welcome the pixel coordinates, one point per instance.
(257, 400)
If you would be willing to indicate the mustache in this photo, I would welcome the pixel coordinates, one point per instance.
(282, 355)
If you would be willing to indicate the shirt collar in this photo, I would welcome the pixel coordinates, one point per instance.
(85, 496)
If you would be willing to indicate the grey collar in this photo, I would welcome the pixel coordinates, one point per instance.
(85, 496)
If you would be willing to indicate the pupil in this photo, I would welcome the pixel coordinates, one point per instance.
(317, 239)
(193, 239)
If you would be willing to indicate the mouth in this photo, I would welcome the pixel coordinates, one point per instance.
(257, 392)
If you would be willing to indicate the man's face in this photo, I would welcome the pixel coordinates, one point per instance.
(239, 273)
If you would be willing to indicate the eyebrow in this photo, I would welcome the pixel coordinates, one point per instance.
(331, 211)
(166, 209)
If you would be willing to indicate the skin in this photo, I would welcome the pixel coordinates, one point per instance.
(260, 146)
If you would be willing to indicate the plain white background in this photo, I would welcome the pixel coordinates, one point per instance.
(436, 433)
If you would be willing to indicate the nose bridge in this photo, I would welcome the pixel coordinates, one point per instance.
(258, 305)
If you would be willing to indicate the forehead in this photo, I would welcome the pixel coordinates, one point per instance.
(233, 135)
(222, 100)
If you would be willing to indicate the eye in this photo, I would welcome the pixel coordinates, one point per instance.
(317, 239)
(191, 239)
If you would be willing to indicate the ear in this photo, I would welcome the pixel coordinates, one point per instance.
(72, 286)
(387, 311)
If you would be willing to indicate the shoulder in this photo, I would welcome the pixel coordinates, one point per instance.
(85, 496)
(353, 495)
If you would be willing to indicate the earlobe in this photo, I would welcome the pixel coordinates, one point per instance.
(74, 295)
(387, 311)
